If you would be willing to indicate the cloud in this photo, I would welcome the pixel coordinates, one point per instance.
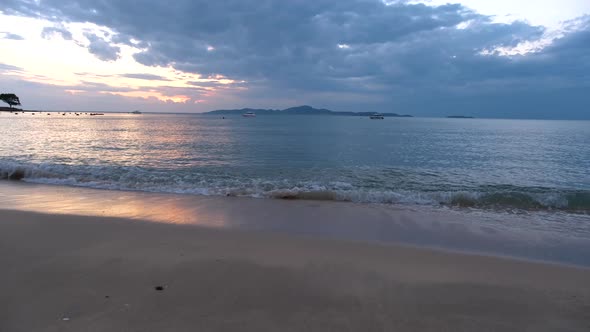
(92, 96)
(418, 58)
(10, 36)
(50, 32)
(6, 68)
(101, 48)
(147, 77)
(41, 96)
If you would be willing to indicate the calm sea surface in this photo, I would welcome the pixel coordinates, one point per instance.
(513, 165)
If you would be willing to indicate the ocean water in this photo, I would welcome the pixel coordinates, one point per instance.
(484, 164)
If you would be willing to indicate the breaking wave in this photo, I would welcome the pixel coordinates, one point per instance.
(174, 181)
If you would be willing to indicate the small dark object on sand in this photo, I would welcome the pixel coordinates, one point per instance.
(159, 288)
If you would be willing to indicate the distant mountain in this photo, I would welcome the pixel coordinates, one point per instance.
(459, 117)
(299, 110)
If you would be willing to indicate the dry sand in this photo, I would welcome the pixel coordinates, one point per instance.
(74, 273)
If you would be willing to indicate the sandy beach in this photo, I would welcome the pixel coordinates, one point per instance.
(286, 166)
(88, 273)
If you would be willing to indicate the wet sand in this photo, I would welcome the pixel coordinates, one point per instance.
(492, 233)
(90, 273)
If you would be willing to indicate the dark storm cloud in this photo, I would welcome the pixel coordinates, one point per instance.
(101, 48)
(213, 84)
(406, 55)
(49, 32)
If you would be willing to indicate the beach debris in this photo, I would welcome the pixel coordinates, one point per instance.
(159, 288)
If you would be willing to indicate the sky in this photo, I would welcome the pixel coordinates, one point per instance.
(499, 59)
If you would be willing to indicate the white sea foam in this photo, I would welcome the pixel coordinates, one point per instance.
(134, 178)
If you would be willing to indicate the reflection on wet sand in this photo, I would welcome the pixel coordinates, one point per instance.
(491, 233)
(135, 205)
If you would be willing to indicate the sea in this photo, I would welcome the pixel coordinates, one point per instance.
(530, 175)
(475, 163)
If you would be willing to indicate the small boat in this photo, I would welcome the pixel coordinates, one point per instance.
(136, 112)
(377, 116)
(249, 115)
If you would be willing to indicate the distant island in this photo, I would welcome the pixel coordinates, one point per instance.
(459, 117)
(300, 110)
(10, 109)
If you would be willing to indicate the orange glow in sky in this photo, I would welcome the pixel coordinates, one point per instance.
(153, 94)
(68, 64)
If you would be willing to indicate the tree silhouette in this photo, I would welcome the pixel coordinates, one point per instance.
(10, 98)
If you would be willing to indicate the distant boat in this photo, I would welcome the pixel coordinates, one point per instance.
(377, 116)
(95, 114)
(136, 112)
(249, 115)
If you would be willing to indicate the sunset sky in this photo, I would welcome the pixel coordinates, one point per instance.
(506, 58)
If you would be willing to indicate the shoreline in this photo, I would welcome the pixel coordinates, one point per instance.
(524, 199)
(72, 273)
(501, 235)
